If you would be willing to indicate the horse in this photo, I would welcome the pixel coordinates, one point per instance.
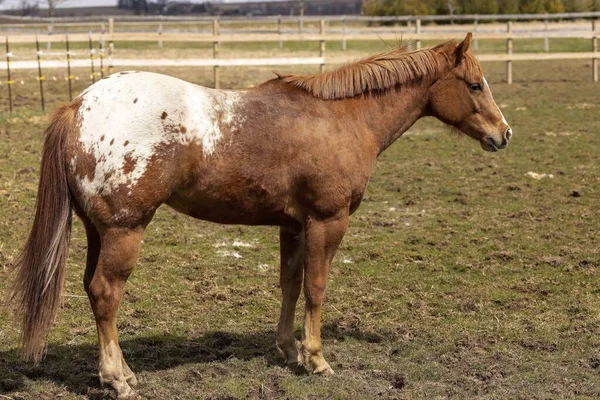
(296, 152)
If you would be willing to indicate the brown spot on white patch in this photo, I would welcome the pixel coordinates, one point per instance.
(163, 115)
(182, 129)
(102, 138)
(128, 164)
(85, 162)
(108, 175)
(135, 100)
(89, 108)
(126, 143)
(112, 141)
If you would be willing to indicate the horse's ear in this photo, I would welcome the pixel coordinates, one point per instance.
(462, 48)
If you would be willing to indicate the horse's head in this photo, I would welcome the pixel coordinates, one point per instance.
(463, 99)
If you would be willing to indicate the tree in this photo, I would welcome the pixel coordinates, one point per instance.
(508, 6)
(578, 5)
(533, 7)
(28, 7)
(52, 6)
(555, 6)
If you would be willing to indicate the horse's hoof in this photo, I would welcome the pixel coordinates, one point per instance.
(132, 380)
(324, 370)
(291, 354)
(123, 390)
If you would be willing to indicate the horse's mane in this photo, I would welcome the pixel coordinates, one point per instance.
(382, 71)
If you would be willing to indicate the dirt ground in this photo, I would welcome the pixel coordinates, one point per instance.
(464, 274)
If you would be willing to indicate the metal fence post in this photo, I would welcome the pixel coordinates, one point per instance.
(41, 77)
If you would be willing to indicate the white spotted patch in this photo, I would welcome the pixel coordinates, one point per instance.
(126, 117)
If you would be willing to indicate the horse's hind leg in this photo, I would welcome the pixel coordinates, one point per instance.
(117, 257)
(292, 267)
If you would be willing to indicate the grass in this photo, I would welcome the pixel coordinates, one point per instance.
(460, 276)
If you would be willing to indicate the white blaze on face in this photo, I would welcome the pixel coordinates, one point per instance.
(500, 111)
(127, 117)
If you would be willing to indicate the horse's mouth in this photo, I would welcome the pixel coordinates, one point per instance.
(488, 144)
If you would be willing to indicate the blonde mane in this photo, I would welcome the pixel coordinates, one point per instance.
(382, 72)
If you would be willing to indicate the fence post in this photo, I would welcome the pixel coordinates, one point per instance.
(40, 76)
(595, 50)
(322, 45)
(216, 49)
(9, 81)
(50, 30)
(280, 32)
(160, 32)
(546, 40)
(418, 32)
(69, 76)
(344, 31)
(509, 50)
(101, 51)
(475, 42)
(111, 46)
(92, 56)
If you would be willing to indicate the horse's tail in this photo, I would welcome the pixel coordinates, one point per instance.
(41, 264)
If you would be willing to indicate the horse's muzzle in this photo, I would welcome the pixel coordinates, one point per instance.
(493, 145)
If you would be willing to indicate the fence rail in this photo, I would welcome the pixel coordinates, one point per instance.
(305, 37)
(216, 36)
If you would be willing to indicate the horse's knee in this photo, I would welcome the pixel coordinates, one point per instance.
(103, 296)
(314, 293)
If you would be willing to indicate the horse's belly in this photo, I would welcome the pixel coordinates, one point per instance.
(238, 210)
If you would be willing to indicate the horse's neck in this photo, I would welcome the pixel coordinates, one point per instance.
(391, 114)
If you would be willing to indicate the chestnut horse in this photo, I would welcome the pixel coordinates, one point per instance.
(296, 152)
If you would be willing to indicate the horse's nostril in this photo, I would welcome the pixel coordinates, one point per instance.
(508, 134)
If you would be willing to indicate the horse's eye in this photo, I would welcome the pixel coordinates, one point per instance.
(475, 86)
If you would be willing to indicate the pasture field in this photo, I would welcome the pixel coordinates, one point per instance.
(461, 276)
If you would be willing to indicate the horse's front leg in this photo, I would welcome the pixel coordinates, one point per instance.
(322, 240)
(292, 267)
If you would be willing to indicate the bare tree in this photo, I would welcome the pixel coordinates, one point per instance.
(52, 6)
(28, 7)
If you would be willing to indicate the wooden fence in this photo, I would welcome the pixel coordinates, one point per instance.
(104, 59)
